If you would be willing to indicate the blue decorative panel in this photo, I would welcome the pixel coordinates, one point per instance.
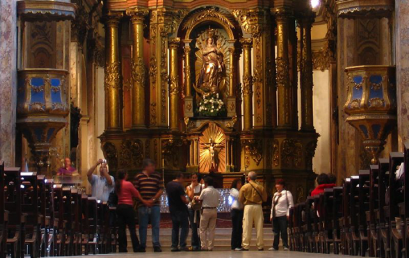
(55, 90)
(364, 130)
(38, 132)
(55, 82)
(50, 133)
(375, 87)
(357, 89)
(37, 90)
(376, 129)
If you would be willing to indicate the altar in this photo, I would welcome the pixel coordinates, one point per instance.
(211, 90)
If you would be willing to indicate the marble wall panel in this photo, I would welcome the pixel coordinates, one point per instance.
(8, 75)
(402, 68)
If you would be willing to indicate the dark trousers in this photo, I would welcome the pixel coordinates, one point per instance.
(280, 227)
(126, 216)
(237, 224)
(194, 226)
(180, 221)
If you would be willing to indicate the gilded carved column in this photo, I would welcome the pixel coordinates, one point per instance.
(232, 78)
(247, 84)
(158, 67)
(306, 76)
(188, 105)
(138, 68)
(282, 75)
(174, 84)
(112, 74)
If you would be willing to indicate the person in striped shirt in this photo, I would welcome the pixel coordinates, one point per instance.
(150, 186)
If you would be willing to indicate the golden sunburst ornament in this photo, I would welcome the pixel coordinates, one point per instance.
(212, 149)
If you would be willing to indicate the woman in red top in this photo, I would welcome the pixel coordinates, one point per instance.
(126, 214)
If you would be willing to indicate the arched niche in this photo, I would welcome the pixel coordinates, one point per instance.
(194, 30)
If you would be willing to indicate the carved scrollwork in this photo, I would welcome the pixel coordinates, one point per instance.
(173, 82)
(37, 106)
(110, 154)
(247, 82)
(309, 153)
(131, 153)
(276, 153)
(376, 103)
(153, 69)
(355, 104)
(291, 153)
(282, 76)
(138, 72)
(211, 12)
(112, 76)
(153, 113)
(170, 148)
(252, 148)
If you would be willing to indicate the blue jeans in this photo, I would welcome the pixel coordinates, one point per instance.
(144, 214)
(180, 220)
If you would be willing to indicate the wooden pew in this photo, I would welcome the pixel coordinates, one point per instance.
(363, 207)
(291, 228)
(406, 201)
(3, 214)
(353, 216)
(396, 197)
(68, 217)
(383, 211)
(346, 238)
(373, 237)
(89, 230)
(303, 234)
(337, 211)
(326, 218)
(15, 228)
(30, 207)
(48, 234)
(308, 226)
(113, 225)
(77, 221)
(58, 223)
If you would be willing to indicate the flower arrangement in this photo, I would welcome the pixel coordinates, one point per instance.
(211, 105)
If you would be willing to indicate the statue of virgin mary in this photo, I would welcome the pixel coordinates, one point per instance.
(213, 66)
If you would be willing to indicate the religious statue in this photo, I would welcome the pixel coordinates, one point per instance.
(213, 67)
(213, 150)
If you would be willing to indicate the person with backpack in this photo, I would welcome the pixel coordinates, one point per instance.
(125, 191)
(281, 203)
(194, 190)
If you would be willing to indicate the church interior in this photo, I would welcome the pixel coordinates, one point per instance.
(288, 89)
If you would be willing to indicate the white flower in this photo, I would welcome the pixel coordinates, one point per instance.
(217, 95)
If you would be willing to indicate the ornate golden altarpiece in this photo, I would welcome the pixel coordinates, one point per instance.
(167, 60)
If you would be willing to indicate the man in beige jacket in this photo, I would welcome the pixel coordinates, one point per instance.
(252, 195)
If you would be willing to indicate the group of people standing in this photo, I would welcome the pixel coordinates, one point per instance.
(192, 207)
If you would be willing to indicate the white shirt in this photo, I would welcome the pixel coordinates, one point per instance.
(100, 187)
(234, 193)
(210, 197)
(196, 192)
(285, 202)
